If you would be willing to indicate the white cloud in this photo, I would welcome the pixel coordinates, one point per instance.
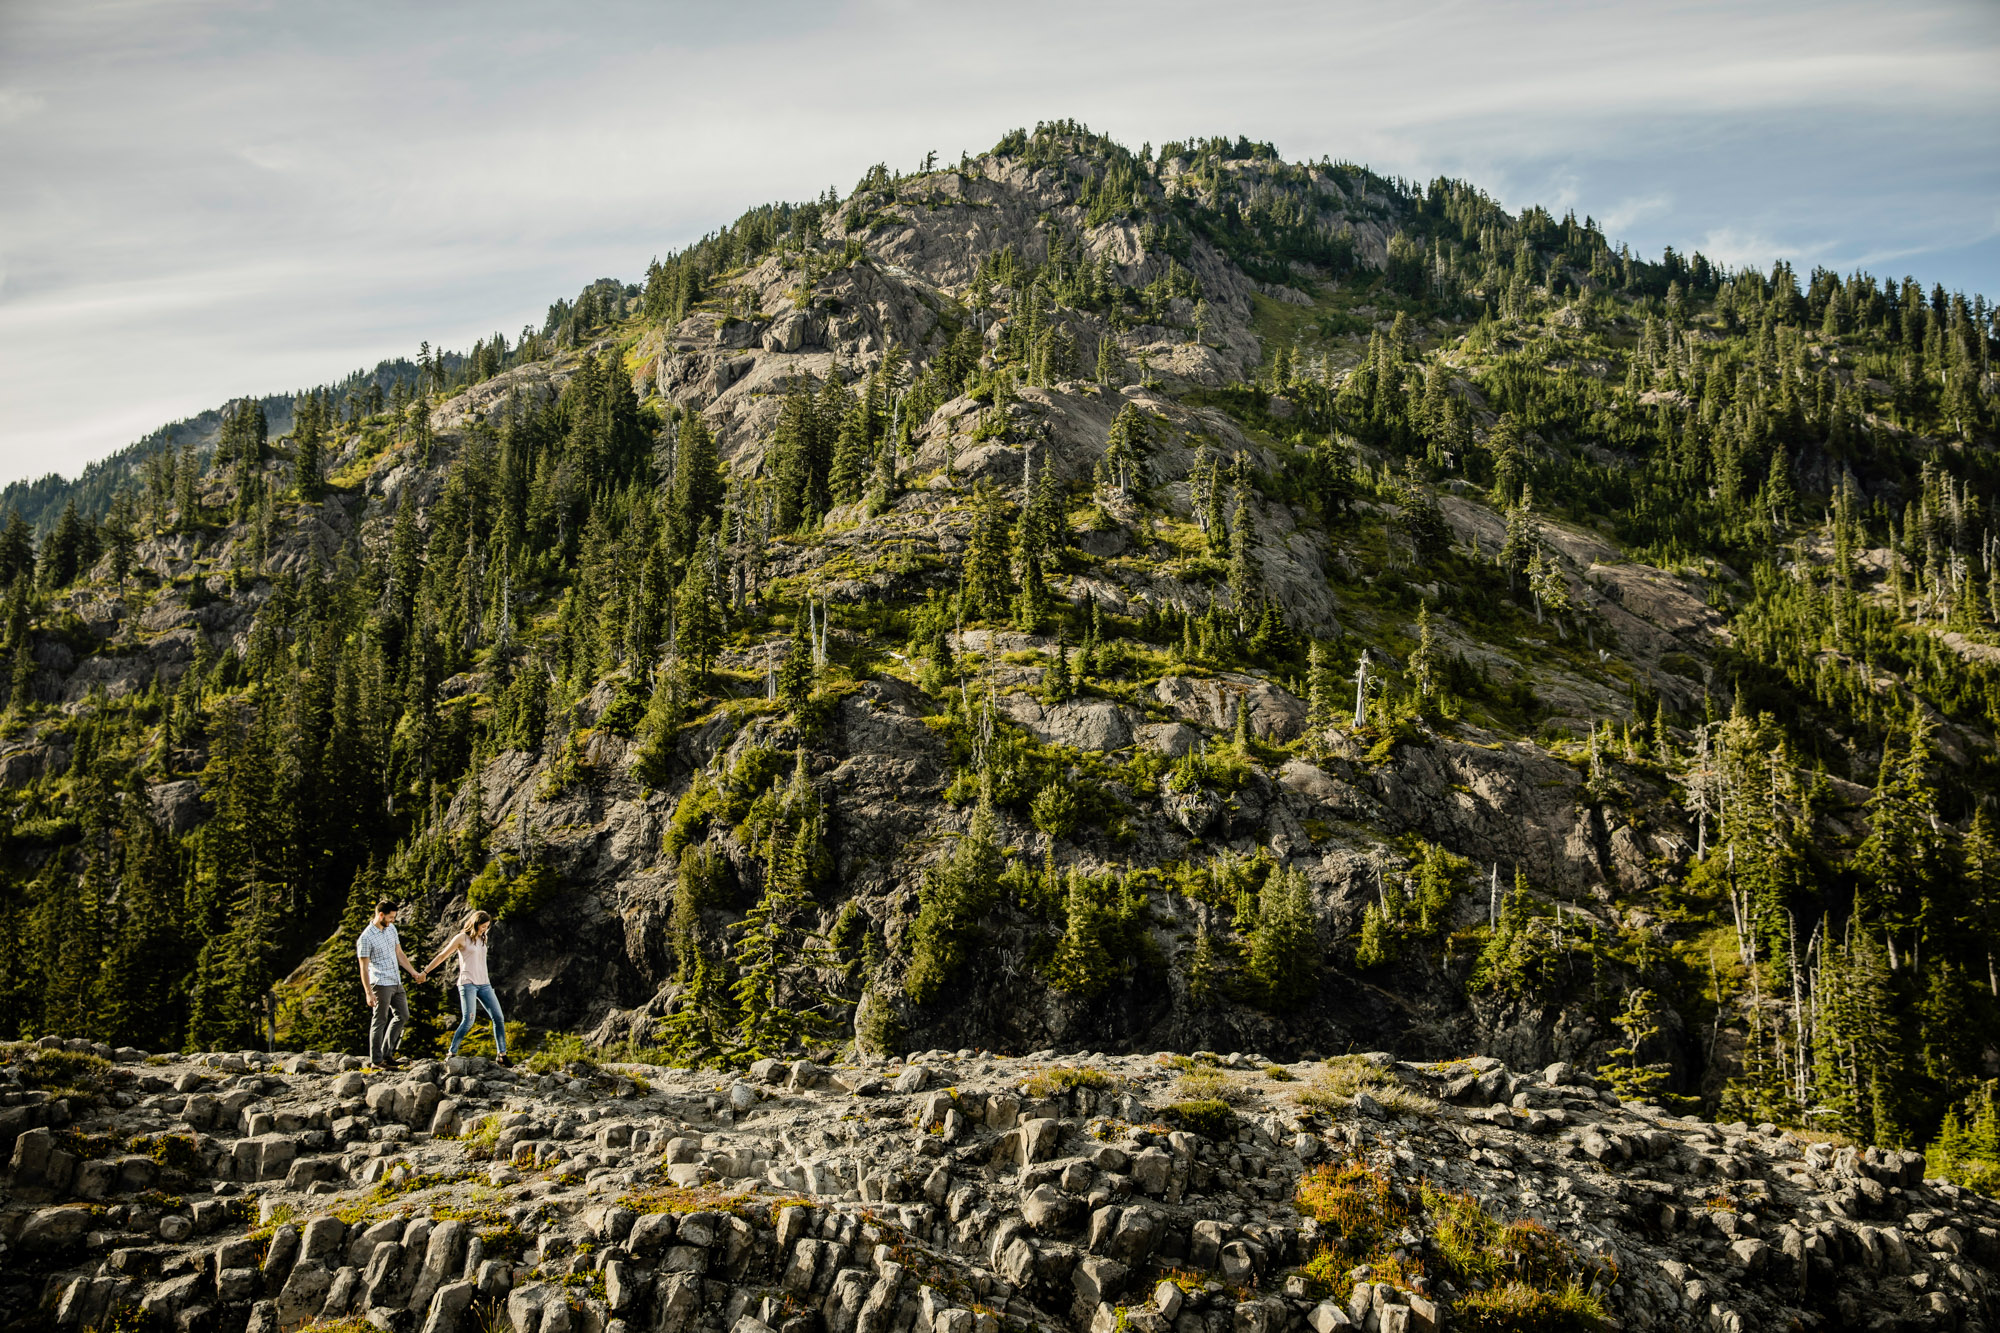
(230, 196)
(1625, 212)
(17, 104)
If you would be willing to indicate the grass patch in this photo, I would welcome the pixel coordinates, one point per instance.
(280, 1215)
(1206, 1084)
(1211, 1117)
(393, 1187)
(1367, 1211)
(1066, 1078)
(504, 1241)
(684, 1199)
(1333, 1089)
(1520, 1308)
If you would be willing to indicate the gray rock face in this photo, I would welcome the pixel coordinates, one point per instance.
(870, 1214)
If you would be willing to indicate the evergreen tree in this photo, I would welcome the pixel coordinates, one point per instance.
(697, 621)
(1284, 955)
(1110, 365)
(17, 550)
(308, 455)
(1083, 964)
(1204, 971)
(987, 578)
(1523, 539)
(1246, 578)
(1125, 448)
(951, 901)
(698, 481)
(796, 675)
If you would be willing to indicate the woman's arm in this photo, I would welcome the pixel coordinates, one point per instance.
(452, 946)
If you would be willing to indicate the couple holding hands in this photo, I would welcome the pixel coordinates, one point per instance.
(380, 953)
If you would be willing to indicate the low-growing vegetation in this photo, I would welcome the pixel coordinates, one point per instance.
(1512, 1277)
(1211, 1117)
(1059, 1079)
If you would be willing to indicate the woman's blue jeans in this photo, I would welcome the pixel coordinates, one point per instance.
(470, 999)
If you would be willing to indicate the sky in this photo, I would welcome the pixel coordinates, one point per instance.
(201, 199)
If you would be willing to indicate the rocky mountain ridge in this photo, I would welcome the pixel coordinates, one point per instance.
(1491, 800)
(1176, 602)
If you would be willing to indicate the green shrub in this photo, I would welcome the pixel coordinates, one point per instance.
(504, 1242)
(482, 1140)
(505, 894)
(67, 1073)
(1209, 1118)
(621, 717)
(1206, 1083)
(557, 1051)
(174, 1152)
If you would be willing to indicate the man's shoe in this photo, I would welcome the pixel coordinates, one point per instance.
(391, 1065)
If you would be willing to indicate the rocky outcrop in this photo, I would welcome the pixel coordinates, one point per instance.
(950, 1192)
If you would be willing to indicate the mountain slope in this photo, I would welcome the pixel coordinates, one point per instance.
(935, 616)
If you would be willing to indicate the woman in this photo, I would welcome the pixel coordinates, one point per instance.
(475, 989)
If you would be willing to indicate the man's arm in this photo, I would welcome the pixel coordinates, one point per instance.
(404, 959)
(367, 987)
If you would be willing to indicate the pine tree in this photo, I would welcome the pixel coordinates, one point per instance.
(1110, 365)
(1523, 540)
(697, 621)
(17, 550)
(1125, 447)
(698, 481)
(1246, 579)
(796, 675)
(1549, 588)
(951, 900)
(1083, 964)
(697, 1031)
(308, 466)
(1902, 858)
(1284, 954)
(1323, 691)
(1204, 973)
(1980, 855)
(1627, 1074)
(1779, 499)
(120, 535)
(1424, 659)
(987, 577)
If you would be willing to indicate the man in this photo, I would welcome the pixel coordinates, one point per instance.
(380, 952)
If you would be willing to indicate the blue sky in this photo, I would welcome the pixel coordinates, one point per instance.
(201, 198)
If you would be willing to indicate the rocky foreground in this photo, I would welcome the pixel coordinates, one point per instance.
(954, 1193)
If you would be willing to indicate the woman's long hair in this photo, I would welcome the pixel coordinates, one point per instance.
(476, 924)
